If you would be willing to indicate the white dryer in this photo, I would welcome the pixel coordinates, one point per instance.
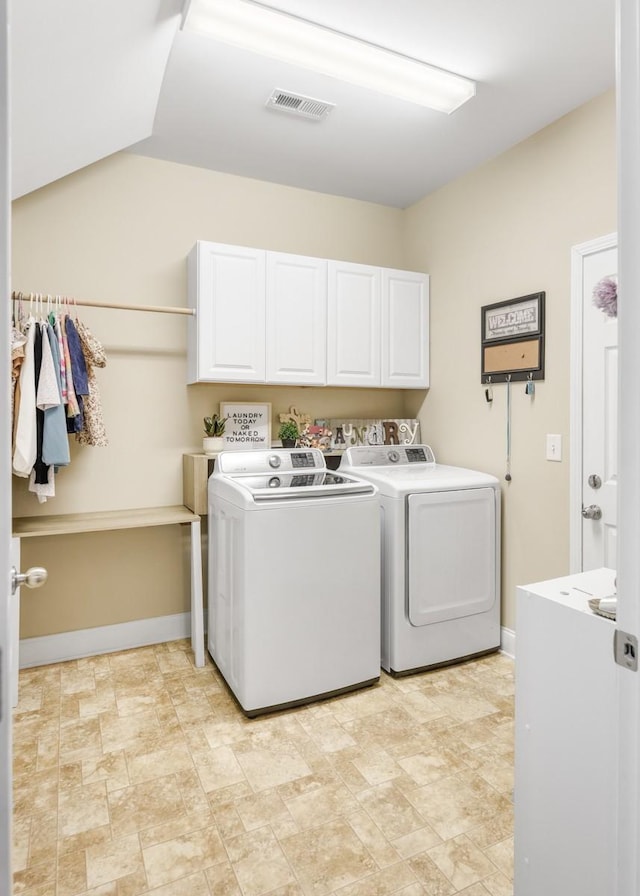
(440, 556)
(294, 586)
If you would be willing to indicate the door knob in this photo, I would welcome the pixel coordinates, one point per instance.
(592, 512)
(32, 578)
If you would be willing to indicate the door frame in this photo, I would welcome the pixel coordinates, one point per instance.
(6, 803)
(628, 615)
(578, 255)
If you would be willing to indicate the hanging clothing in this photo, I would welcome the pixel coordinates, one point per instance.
(43, 490)
(53, 392)
(78, 366)
(40, 468)
(55, 443)
(25, 452)
(62, 359)
(93, 432)
(74, 415)
(18, 341)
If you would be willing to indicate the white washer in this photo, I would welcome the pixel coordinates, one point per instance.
(294, 586)
(440, 556)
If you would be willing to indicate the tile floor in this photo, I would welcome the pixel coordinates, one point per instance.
(136, 773)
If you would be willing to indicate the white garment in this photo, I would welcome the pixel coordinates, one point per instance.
(46, 490)
(25, 452)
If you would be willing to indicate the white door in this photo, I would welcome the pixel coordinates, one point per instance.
(296, 307)
(353, 338)
(595, 408)
(405, 329)
(5, 471)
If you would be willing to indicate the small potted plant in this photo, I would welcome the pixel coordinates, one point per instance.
(288, 434)
(214, 427)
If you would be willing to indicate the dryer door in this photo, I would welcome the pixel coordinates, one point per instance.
(451, 554)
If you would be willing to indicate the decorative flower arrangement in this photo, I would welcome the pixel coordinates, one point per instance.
(605, 296)
(316, 437)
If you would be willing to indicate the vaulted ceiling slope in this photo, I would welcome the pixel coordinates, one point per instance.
(92, 78)
(85, 81)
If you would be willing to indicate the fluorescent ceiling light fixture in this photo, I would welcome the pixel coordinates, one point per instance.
(279, 35)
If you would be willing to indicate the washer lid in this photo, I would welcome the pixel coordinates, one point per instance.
(279, 486)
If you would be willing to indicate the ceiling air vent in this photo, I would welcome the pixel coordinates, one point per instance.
(303, 106)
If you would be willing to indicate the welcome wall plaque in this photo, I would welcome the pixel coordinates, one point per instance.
(512, 343)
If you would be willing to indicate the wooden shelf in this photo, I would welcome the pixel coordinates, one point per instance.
(102, 521)
(109, 520)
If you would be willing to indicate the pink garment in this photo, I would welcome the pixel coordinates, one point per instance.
(63, 362)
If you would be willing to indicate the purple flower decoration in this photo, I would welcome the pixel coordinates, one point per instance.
(605, 296)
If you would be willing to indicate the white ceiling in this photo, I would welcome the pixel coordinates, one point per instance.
(91, 77)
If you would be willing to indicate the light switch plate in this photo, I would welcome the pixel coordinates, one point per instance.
(554, 446)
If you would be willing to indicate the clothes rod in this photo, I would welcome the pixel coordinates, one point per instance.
(121, 306)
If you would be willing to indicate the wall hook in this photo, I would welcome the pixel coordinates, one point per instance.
(530, 388)
(488, 392)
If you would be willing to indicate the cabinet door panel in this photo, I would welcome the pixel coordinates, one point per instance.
(296, 319)
(229, 285)
(405, 329)
(353, 341)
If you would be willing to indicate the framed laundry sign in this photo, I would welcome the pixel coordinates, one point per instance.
(512, 341)
(248, 425)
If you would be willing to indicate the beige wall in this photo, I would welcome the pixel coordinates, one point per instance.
(121, 229)
(506, 230)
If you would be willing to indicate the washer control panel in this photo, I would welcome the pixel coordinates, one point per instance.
(282, 460)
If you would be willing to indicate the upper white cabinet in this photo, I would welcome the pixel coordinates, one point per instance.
(378, 327)
(405, 329)
(353, 345)
(226, 339)
(296, 309)
(270, 317)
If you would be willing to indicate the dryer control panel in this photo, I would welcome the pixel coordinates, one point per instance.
(388, 456)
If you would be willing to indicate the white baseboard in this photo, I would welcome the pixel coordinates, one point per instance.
(105, 639)
(126, 635)
(508, 642)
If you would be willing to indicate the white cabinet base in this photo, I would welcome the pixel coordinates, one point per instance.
(566, 749)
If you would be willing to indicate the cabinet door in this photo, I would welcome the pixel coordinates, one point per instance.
(405, 329)
(353, 334)
(227, 289)
(296, 319)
